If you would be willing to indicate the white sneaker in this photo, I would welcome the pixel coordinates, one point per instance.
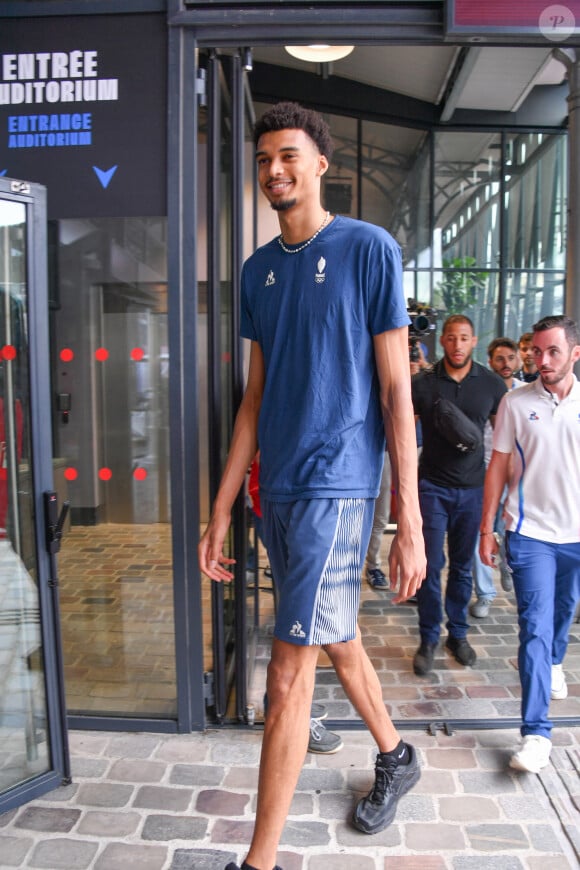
(533, 755)
(559, 686)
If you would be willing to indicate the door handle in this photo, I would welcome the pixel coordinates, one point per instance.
(54, 521)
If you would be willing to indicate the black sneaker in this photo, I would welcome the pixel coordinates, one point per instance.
(377, 579)
(377, 810)
(423, 658)
(461, 650)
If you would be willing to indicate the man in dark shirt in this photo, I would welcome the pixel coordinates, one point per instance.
(451, 489)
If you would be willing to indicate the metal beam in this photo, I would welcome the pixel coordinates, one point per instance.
(270, 83)
(270, 24)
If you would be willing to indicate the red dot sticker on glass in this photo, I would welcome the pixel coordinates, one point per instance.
(105, 473)
(101, 354)
(71, 473)
(67, 354)
(137, 354)
(140, 473)
(8, 352)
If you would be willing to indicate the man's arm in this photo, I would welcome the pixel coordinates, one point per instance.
(495, 478)
(407, 564)
(243, 448)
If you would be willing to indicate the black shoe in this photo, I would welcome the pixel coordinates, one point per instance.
(462, 651)
(377, 810)
(423, 658)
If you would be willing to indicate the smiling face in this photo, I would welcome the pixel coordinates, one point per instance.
(504, 361)
(458, 342)
(290, 167)
(555, 358)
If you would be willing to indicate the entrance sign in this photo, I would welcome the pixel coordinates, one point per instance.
(83, 112)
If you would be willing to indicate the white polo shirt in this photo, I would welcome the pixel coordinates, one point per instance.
(543, 499)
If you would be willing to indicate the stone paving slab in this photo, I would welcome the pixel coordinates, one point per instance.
(167, 802)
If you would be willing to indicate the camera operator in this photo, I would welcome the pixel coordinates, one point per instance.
(422, 327)
(417, 355)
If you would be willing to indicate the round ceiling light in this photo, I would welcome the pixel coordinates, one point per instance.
(319, 53)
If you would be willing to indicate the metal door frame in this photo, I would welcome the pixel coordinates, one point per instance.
(33, 196)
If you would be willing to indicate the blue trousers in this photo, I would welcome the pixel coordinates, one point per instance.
(456, 513)
(547, 587)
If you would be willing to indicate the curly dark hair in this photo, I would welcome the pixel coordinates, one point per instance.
(292, 116)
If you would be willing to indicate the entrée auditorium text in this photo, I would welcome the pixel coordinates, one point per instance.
(54, 77)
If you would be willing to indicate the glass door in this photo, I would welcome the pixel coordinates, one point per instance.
(227, 214)
(33, 751)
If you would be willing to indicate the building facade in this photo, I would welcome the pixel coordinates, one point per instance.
(129, 205)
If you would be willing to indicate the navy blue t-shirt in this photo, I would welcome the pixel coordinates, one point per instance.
(314, 315)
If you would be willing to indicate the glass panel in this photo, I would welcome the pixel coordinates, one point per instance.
(340, 184)
(23, 715)
(530, 296)
(112, 442)
(386, 198)
(466, 199)
(417, 285)
(535, 201)
(411, 223)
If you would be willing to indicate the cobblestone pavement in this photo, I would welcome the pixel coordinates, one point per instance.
(175, 802)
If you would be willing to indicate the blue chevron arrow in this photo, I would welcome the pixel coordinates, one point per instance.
(104, 175)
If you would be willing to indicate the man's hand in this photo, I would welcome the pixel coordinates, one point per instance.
(488, 549)
(407, 564)
(210, 550)
(416, 366)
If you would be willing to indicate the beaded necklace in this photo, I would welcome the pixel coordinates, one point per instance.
(310, 240)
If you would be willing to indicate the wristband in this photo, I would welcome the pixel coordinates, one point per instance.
(496, 537)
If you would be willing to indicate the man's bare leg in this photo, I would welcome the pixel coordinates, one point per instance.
(362, 686)
(290, 685)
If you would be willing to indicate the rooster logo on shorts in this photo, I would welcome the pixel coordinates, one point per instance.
(296, 630)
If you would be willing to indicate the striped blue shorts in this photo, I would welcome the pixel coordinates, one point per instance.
(316, 549)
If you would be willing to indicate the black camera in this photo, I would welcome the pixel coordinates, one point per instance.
(423, 325)
(422, 318)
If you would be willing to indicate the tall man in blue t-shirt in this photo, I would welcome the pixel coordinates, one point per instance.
(324, 309)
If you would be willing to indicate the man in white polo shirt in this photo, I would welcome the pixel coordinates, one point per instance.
(540, 425)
